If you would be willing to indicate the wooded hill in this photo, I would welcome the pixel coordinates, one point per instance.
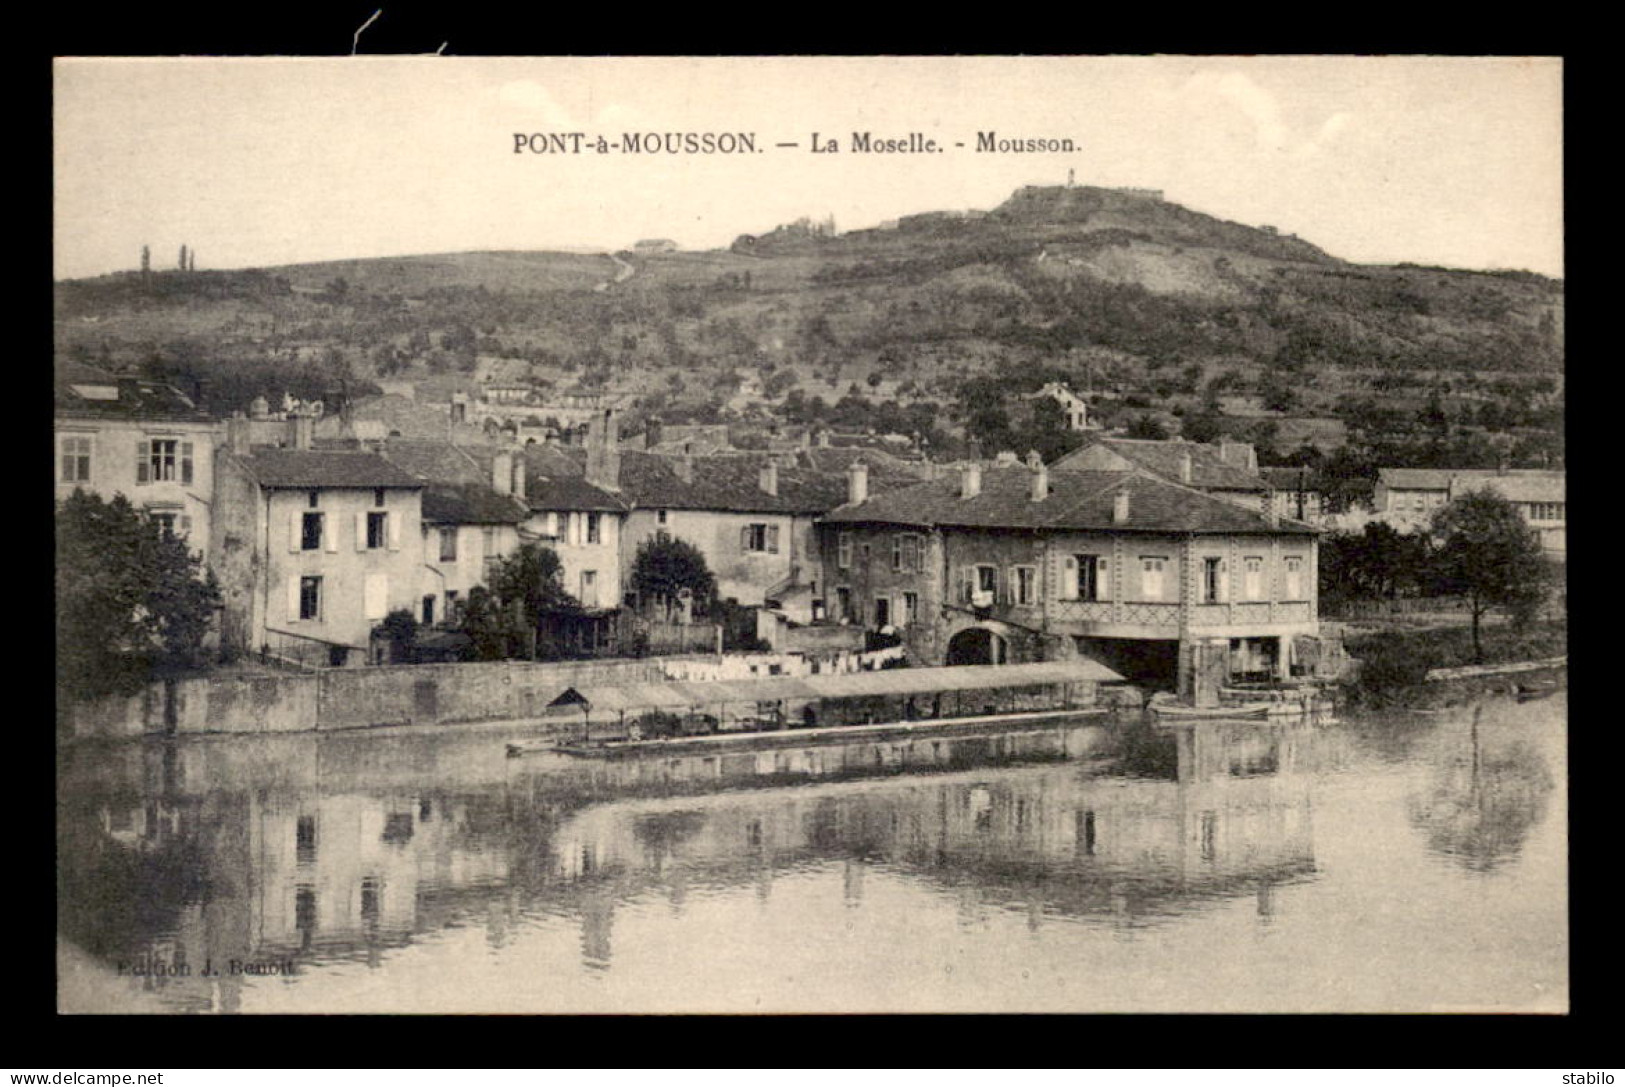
(1110, 289)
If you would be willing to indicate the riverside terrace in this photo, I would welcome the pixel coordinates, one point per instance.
(1153, 579)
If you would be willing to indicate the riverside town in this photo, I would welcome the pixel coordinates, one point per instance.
(1079, 603)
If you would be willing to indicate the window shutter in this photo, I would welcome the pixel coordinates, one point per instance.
(1224, 582)
(1069, 579)
(142, 468)
(773, 538)
(294, 528)
(361, 531)
(186, 525)
(186, 462)
(330, 532)
(376, 596)
(293, 598)
(1103, 584)
(744, 537)
(393, 523)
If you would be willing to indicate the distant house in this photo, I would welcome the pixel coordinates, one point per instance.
(315, 546)
(1294, 494)
(1008, 564)
(655, 245)
(142, 439)
(1408, 498)
(1227, 470)
(1073, 406)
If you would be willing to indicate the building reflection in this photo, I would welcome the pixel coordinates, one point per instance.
(1124, 827)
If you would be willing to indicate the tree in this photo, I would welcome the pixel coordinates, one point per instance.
(665, 565)
(1147, 428)
(399, 630)
(1488, 553)
(130, 598)
(527, 601)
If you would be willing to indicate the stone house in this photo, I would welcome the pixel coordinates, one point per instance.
(313, 546)
(142, 439)
(1408, 498)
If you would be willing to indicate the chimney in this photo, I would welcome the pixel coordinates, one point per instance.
(1040, 475)
(857, 483)
(603, 451)
(259, 408)
(970, 479)
(301, 428)
(684, 465)
(1120, 506)
(1185, 467)
(769, 478)
(502, 473)
(237, 434)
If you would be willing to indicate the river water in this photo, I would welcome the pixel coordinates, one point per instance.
(1408, 862)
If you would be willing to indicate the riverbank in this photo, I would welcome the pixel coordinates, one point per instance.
(1395, 666)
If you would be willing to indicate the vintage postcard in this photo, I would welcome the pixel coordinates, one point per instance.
(810, 534)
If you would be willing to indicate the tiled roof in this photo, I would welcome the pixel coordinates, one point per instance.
(324, 468)
(138, 398)
(436, 461)
(470, 504)
(1209, 471)
(1078, 499)
(1515, 484)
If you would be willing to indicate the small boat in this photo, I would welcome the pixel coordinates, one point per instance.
(1250, 711)
(1529, 689)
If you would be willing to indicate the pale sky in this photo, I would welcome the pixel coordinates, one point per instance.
(257, 162)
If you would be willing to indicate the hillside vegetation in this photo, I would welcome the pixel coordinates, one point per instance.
(1106, 289)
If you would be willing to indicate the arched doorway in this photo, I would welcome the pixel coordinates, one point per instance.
(978, 645)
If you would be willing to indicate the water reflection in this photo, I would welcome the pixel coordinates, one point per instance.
(1488, 789)
(328, 851)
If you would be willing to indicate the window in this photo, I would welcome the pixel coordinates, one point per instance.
(843, 603)
(1212, 580)
(173, 522)
(378, 497)
(310, 534)
(905, 552)
(454, 606)
(448, 540)
(1083, 577)
(488, 538)
(843, 551)
(589, 588)
(1252, 577)
(312, 498)
(75, 460)
(882, 611)
(759, 538)
(1294, 577)
(593, 529)
(661, 517)
(911, 608)
(310, 598)
(163, 460)
(1151, 571)
(377, 530)
(1538, 511)
(1026, 585)
(165, 521)
(428, 610)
